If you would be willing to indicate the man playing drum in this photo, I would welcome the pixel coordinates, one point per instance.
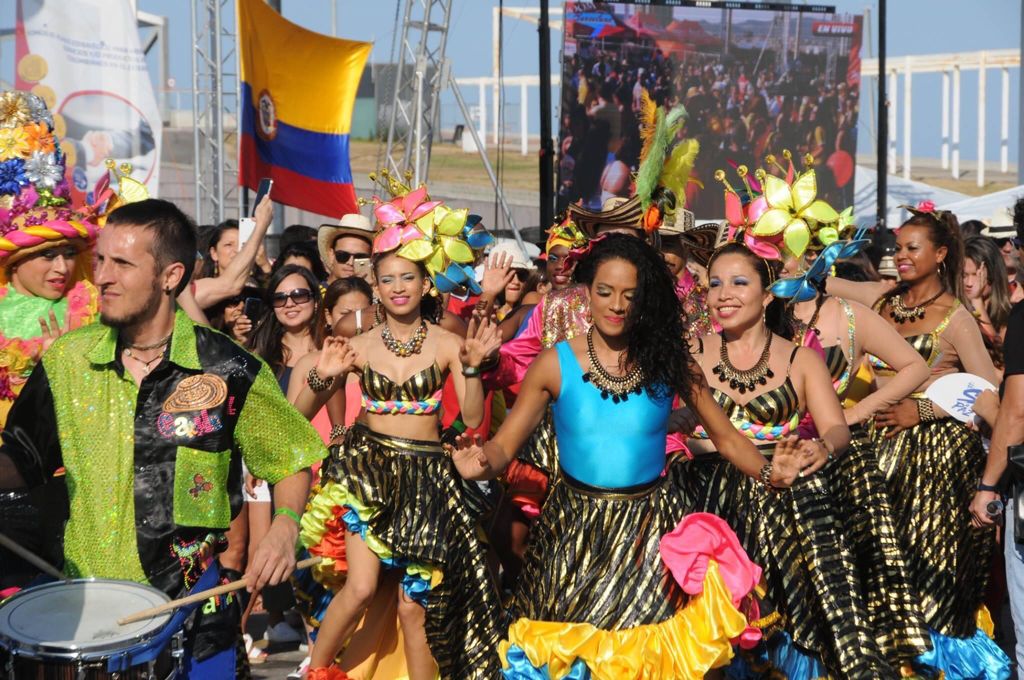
(152, 416)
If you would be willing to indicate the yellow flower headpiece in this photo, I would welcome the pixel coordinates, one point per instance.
(445, 240)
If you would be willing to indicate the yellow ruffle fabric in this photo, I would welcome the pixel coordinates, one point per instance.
(685, 646)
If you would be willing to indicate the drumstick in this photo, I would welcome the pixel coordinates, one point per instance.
(198, 597)
(33, 559)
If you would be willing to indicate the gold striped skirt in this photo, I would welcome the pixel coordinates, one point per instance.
(809, 568)
(931, 471)
(594, 591)
(404, 497)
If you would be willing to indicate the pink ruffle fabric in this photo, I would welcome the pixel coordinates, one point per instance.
(699, 538)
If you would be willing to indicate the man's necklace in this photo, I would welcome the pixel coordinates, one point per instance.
(146, 365)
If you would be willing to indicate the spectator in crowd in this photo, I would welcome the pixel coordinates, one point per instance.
(297, 233)
(1005, 237)
(999, 476)
(345, 246)
(972, 228)
(227, 270)
(291, 327)
(986, 287)
(303, 254)
(229, 316)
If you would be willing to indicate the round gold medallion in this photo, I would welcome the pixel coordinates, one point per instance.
(32, 68)
(46, 93)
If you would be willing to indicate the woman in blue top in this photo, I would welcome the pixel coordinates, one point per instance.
(601, 592)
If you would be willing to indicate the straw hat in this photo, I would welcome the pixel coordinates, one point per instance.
(352, 224)
(512, 248)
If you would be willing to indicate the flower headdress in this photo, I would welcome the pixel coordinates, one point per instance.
(794, 210)
(567, 234)
(776, 218)
(660, 183)
(445, 240)
(35, 213)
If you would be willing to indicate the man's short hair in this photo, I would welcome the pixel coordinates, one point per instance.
(174, 232)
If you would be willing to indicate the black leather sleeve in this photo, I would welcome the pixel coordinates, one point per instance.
(30, 436)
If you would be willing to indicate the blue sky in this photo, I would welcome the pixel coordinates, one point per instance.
(914, 26)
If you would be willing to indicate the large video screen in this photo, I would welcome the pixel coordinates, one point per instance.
(754, 82)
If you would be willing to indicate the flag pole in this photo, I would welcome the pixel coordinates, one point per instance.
(547, 155)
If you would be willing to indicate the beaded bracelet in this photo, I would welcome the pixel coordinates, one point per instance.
(338, 432)
(766, 478)
(316, 383)
(925, 410)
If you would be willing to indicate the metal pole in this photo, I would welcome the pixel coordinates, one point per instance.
(894, 95)
(496, 47)
(416, 172)
(945, 120)
(523, 122)
(1004, 145)
(195, 120)
(871, 91)
(278, 225)
(483, 111)
(955, 161)
(981, 121)
(547, 145)
(486, 161)
(218, 123)
(883, 124)
(1020, 107)
(907, 100)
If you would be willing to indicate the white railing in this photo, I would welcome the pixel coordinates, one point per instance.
(950, 65)
(524, 83)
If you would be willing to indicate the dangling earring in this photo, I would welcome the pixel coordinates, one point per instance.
(589, 317)
(942, 269)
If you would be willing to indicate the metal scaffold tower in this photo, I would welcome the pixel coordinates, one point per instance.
(420, 76)
(215, 98)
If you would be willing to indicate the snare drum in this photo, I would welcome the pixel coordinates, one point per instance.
(69, 631)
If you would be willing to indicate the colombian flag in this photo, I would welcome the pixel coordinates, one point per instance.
(298, 90)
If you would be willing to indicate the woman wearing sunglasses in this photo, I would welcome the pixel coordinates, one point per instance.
(291, 327)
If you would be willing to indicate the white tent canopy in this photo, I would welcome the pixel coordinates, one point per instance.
(900, 192)
(995, 209)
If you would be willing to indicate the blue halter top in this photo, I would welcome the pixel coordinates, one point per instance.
(605, 444)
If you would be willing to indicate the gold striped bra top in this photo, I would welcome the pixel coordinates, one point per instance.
(419, 394)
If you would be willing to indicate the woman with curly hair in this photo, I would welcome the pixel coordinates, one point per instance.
(608, 584)
(931, 461)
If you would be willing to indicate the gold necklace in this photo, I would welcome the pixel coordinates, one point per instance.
(749, 379)
(413, 345)
(617, 387)
(902, 314)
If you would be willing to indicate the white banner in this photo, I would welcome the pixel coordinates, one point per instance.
(86, 61)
